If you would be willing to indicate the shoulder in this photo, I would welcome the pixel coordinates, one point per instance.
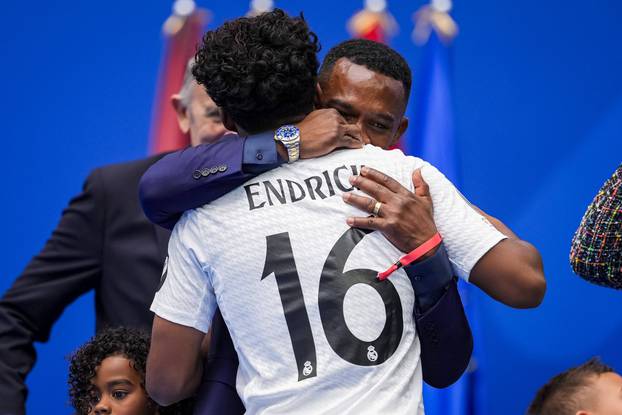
(393, 156)
(129, 169)
(118, 182)
(396, 164)
(124, 175)
(187, 231)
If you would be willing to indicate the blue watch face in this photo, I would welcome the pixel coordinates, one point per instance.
(287, 133)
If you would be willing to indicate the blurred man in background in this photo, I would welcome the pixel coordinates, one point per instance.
(103, 242)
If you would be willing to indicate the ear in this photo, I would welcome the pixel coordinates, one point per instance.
(228, 122)
(182, 115)
(318, 95)
(401, 129)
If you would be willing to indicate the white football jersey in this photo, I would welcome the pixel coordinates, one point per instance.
(314, 330)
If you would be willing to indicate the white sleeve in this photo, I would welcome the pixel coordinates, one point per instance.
(467, 235)
(186, 295)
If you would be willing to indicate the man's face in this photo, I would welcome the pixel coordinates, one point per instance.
(607, 397)
(119, 390)
(373, 101)
(201, 118)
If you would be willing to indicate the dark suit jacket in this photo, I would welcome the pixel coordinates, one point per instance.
(103, 242)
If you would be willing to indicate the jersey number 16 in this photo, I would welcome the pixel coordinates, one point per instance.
(334, 284)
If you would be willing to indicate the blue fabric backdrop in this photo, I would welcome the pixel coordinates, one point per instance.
(538, 121)
(432, 137)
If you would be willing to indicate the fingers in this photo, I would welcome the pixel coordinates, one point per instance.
(333, 114)
(353, 130)
(370, 222)
(352, 136)
(373, 189)
(349, 142)
(383, 179)
(421, 187)
(366, 204)
(338, 116)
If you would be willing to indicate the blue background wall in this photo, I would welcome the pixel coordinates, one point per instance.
(538, 103)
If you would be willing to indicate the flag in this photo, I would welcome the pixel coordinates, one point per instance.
(432, 138)
(182, 31)
(374, 22)
(260, 6)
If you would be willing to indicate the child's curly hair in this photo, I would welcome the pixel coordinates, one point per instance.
(130, 343)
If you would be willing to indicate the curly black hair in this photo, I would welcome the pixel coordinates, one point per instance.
(566, 392)
(374, 56)
(132, 344)
(260, 69)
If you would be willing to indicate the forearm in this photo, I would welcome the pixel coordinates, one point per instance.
(444, 332)
(529, 285)
(430, 278)
(167, 390)
(446, 340)
(190, 178)
(512, 273)
(67, 266)
(196, 176)
(185, 180)
(17, 356)
(174, 364)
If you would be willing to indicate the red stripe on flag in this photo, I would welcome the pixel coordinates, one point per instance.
(178, 49)
(375, 33)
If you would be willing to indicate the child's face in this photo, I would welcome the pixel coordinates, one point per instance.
(119, 387)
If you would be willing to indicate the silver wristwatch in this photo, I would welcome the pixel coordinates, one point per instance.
(289, 135)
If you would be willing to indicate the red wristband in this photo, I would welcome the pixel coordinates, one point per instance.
(412, 256)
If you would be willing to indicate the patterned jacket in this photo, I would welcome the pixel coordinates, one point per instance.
(596, 252)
